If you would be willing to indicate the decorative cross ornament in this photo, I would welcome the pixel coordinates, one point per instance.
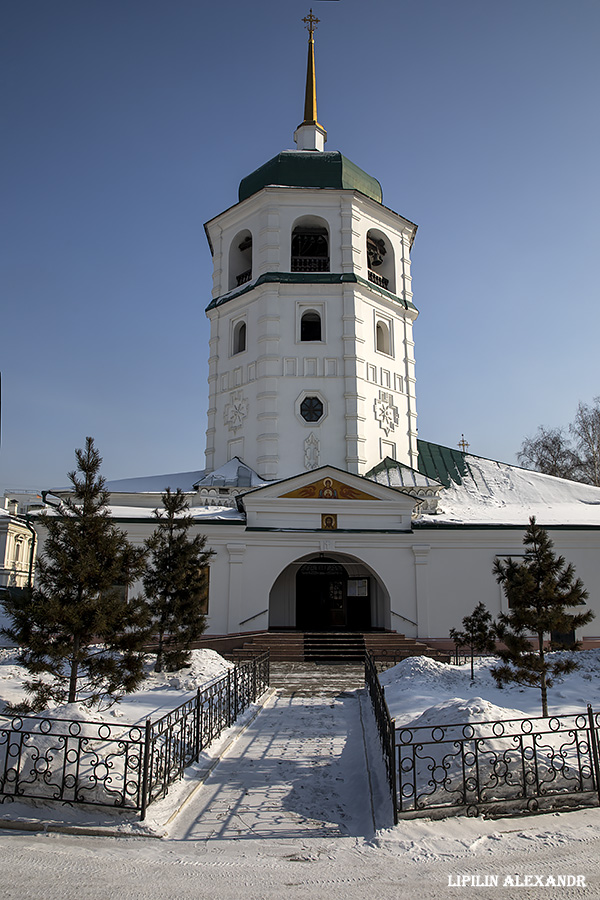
(462, 444)
(312, 21)
(386, 412)
(311, 451)
(236, 411)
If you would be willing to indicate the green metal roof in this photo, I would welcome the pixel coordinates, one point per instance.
(311, 169)
(442, 463)
(395, 474)
(306, 278)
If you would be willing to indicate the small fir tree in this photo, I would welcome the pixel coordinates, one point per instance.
(539, 589)
(81, 636)
(478, 634)
(176, 582)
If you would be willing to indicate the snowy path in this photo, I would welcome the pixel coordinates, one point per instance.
(287, 777)
(287, 814)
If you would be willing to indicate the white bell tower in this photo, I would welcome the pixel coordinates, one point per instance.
(311, 351)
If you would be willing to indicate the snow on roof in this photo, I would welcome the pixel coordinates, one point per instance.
(212, 513)
(155, 483)
(495, 493)
(395, 474)
(234, 473)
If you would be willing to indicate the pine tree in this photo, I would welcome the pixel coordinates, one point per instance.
(176, 582)
(539, 590)
(81, 635)
(478, 634)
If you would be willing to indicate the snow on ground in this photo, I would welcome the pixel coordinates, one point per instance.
(158, 694)
(286, 812)
(420, 684)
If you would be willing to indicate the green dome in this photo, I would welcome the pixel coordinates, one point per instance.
(311, 169)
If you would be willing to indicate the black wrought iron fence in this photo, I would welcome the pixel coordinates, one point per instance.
(176, 740)
(385, 727)
(122, 766)
(523, 764)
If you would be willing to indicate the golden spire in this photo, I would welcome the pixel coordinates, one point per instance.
(310, 102)
(310, 135)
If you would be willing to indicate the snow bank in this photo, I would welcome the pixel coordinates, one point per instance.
(159, 692)
(205, 666)
(464, 712)
(419, 683)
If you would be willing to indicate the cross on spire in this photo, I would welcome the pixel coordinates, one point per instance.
(463, 444)
(312, 21)
(310, 135)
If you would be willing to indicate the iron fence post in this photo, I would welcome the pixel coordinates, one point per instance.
(145, 773)
(594, 746)
(198, 725)
(393, 775)
(229, 696)
(236, 673)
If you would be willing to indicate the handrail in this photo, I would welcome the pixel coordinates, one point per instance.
(410, 621)
(255, 616)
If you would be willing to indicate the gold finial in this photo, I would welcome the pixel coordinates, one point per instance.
(462, 444)
(310, 100)
(312, 21)
(309, 135)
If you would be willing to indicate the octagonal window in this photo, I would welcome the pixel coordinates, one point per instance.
(311, 409)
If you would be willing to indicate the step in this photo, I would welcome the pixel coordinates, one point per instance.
(335, 647)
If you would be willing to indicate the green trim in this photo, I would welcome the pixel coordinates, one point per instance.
(152, 519)
(311, 169)
(329, 531)
(474, 526)
(307, 278)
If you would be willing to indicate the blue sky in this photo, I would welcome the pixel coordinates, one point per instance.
(129, 123)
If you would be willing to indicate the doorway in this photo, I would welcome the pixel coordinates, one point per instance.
(327, 599)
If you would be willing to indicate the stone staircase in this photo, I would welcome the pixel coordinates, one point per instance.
(334, 647)
(388, 647)
(284, 646)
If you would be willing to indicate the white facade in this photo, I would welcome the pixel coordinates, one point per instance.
(421, 572)
(322, 508)
(16, 544)
(360, 367)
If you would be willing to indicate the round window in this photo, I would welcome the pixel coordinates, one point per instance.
(311, 409)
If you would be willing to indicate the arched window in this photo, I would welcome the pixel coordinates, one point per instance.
(310, 326)
(382, 338)
(240, 259)
(380, 260)
(310, 245)
(239, 337)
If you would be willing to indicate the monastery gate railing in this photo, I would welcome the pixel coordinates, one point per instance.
(122, 766)
(512, 765)
(385, 727)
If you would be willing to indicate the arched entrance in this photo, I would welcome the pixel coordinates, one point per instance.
(333, 592)
(328, 598)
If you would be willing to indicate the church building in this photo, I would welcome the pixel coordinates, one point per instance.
(325, 509)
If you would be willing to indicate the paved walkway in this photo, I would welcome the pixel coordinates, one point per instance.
(298, 770)
(316, 679)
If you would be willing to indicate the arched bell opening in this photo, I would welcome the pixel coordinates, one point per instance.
(240, 259)
(310, 245)
(329, 592)
(380, 260)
